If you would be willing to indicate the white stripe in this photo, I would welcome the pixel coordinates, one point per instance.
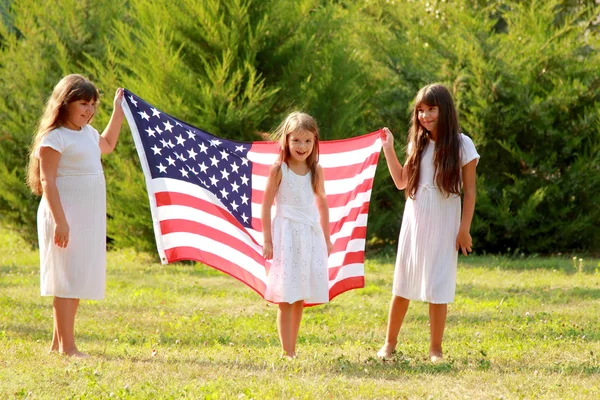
(181, 239)
(332, 186)
(348, 226)
(337, 259)
(147, 177)
(348, 271)
(192, 214)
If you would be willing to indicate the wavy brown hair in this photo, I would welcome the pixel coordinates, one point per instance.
(70, 88)
(294, 122)
(446, 158)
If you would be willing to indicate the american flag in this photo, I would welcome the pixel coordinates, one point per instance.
(206, 193)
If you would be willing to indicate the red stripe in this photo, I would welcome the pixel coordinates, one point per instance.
(332, 173)
(354, 257)
(342, 145)
(188, 226)
(359, 232)
(355, 282)
(333, 200)
(180, 199)
(214, 261)
(325, 146)
(352, 216)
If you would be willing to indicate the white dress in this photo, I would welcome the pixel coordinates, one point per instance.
(79, 270)
(299, 267)
(427, 257)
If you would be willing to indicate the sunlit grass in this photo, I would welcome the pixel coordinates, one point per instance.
(520, 328)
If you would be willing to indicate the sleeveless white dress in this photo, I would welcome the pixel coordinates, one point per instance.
(79, 270)
(299, 266)
(427, 257)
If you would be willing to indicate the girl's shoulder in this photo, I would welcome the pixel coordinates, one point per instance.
(468, 152)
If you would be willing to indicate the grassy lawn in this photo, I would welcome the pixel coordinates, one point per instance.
(520, 328)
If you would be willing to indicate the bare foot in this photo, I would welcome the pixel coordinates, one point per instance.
(76, 354)
(288, 356)
(53, 349)
(386, 351)
(436, 357)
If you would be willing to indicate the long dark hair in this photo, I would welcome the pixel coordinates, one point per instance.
(446, 160)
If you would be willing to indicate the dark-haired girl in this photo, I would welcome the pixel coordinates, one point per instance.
(440, 162)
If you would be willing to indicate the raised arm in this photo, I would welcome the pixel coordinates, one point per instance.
(48, 167)
(273, 182)
(399, 174)
(463, 239)
(110, 136)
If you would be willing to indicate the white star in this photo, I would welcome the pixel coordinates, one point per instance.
(234, 187)
(234, 168)
(183, 172)
(150, 132)
(244, 217)
(144, 115)
(180, 140)
(156, 150)
(177, 123)
(168, 126)
(215, 142)
(192, 154)
(180, 157)
(240, 148)
(214, 180)
(244, 180)
(155, 112)
(157, 129)
(204, 183)
(203, 148)
(224, 174)
(224, 155)
(170, 160)
(203, 167)
(224, 193)
(193, 170)
(214, 161)
(244, 161)
(234, 206)
(171, 145)
(164, 142)
(131, 99)
(191, 135)
(161, 168)
(244, 199)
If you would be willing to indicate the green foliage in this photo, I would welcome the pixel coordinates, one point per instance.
(523, 73)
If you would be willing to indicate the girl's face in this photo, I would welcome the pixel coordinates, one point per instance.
(301, 144)
(79, 113)
(428, 116)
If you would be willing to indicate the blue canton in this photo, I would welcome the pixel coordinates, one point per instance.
(180, 151)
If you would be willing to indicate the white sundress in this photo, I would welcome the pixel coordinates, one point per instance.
(299, 266)
(79, 270)
(427, 256)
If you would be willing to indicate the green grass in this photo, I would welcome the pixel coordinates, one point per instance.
(520, 328)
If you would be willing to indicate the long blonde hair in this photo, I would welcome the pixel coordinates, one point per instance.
(71, 88)
(294, 122)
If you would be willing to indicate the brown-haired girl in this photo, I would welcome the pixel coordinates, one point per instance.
(440, 162)
(65, 169)
(298, 238)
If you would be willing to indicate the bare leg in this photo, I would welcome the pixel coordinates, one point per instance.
(65, 310)
(297, 310)
(398, 308)
(284, 326)
(437, 323)
(54, 345)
